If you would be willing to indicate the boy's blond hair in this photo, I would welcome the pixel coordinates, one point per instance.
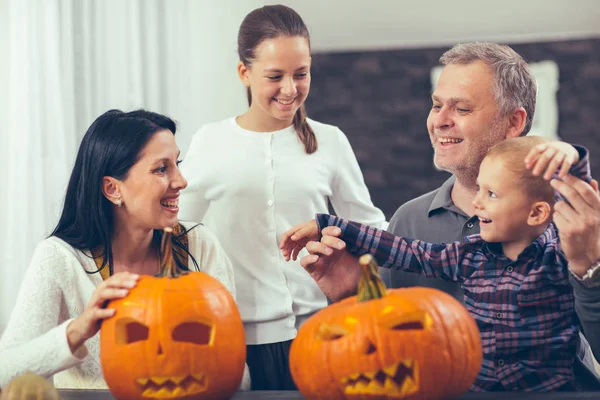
(512, 153)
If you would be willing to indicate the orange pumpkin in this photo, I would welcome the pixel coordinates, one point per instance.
(174, 337)
(416, 343)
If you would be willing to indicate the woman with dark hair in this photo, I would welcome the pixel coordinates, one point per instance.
(254, 176)
(124, 189)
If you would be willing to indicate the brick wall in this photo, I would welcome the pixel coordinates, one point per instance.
(381, 99)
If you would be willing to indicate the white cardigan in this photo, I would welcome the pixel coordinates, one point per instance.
(55, 290)
(249, 188)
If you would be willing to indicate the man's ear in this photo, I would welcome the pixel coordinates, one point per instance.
(516, 123)
(110, 190)
(539, 214)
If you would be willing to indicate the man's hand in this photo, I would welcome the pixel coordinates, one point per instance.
(334, 269)
(578, 222)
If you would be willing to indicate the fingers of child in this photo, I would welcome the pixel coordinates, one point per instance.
(301, 233)
(543, 161)
(286, 238)
(533, 155)
(286, 246)
(331, 231)
(296, 251)
(554, 165)
(565, 167)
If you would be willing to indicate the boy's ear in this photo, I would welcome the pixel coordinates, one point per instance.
(539, 214)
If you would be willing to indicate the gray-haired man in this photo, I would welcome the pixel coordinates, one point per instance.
(485, 94)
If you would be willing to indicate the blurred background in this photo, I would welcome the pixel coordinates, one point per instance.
(64, 62)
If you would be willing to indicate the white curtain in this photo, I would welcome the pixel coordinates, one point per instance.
(68, 61)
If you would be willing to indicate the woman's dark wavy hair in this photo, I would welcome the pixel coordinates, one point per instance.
(110, 147)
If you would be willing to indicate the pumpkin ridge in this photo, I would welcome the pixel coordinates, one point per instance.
(434, 307)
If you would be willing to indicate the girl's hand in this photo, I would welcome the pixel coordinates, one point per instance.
(295, 239)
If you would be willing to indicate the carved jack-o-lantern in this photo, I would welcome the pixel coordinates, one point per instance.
(416, 343)
(174, 337)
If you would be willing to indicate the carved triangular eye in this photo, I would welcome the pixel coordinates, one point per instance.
(406, 321)
(130, 331)
(409, 325)
(193, 332)
(331, 332)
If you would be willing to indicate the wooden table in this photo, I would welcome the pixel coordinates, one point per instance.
(273, 395)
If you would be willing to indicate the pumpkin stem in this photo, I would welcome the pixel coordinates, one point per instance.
(370, 286)
(168, 267)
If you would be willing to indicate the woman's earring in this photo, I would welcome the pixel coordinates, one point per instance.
(119, 202)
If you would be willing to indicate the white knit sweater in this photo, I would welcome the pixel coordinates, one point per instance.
(55, 290)
(249, 188)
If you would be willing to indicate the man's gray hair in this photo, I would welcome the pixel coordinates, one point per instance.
(515, 85)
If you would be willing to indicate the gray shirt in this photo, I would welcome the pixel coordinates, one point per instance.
(434, 218)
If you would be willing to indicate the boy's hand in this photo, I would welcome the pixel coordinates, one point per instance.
(552, 157)
(295, 239)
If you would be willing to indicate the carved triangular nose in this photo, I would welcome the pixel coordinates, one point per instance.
(160, 350)
(369, 347)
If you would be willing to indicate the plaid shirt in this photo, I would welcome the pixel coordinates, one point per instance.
(524, 309)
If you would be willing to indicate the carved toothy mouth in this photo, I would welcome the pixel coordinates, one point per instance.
(396, 380)
(167, 387)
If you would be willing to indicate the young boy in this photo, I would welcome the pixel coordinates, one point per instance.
(514, 276)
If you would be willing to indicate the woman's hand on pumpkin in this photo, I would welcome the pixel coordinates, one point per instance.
(296, 238)
(88, 323)
(555, 157)
(335, 270)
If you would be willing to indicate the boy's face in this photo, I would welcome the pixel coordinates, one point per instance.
(501, 204)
